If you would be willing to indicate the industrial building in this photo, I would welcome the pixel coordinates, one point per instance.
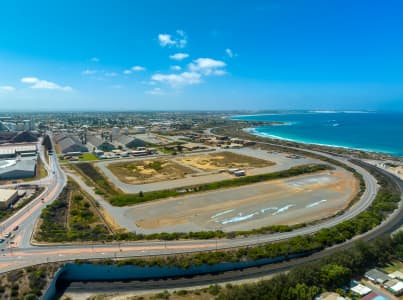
(139, 129)
(19, 168)
(7, 197)
(69, 144)
(13, 150)
(18, 137)
(126, 141)
(95, 142)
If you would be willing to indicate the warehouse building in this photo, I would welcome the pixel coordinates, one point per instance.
(95, 142)
(18, 137)
(13, 150)
(126, 141)
(69, 144)
(24, 167)
(7, 197)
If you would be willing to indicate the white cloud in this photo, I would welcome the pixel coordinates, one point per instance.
(89, 72)
(155, 91)
(111, 74)
(165, 40)
(175, 80)
(179, 41)
(208, 66)
(94, 59)
(175, 68)
(179, 56)
(7, 88)
(219, 72)
(182, 39)
(229, 52)
(138, 68)
(134, 69)
(37, 83)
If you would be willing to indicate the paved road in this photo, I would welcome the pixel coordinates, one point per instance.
(26, 217)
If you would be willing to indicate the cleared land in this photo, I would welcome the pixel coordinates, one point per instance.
(148, 171)
(251, 157)
(224, 160)
(289, 201)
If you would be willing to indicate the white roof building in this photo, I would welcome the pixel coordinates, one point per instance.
(7, 196)
(397, 289)
(396, 274)
(361, 290)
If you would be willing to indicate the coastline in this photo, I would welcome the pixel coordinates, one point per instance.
(252, 130)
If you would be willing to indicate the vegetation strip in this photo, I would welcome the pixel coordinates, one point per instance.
(71, 217)
(330, 274)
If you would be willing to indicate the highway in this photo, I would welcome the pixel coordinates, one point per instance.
(23, 254)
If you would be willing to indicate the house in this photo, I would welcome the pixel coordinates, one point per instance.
(376, 276)
(395, 286)
(396, 274)
(361, 290)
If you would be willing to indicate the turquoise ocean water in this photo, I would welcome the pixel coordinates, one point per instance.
(372, 131)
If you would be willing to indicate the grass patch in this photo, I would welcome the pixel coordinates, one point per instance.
(88, 157)
(394, 266)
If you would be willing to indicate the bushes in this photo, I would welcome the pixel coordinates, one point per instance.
(80, 225)
(92, 173)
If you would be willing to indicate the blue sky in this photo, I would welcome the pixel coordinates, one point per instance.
(167, 55)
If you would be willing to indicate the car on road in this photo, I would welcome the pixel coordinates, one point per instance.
(16, 228)
(7, 235)
(2, 240)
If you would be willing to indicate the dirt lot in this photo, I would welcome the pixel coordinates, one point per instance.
(148, 171)
(224, 160)
(288, 201)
